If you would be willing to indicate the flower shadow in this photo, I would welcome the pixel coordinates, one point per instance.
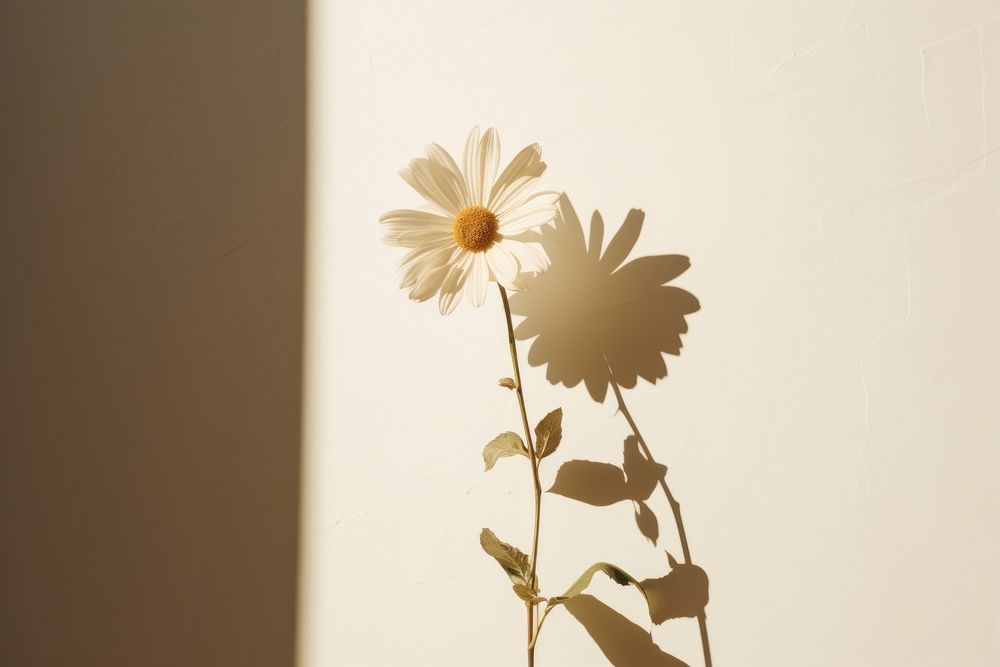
(589, 310)
(599, 320)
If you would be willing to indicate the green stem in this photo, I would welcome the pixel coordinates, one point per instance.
(532, 634)
(538, 628)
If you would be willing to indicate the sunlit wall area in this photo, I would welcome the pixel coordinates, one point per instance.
(830, 170)
(151, 233)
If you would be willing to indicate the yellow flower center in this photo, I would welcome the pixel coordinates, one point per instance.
(475, 228)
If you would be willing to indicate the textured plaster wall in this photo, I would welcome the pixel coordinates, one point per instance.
(831, 426)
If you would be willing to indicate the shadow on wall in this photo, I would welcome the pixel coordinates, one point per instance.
(606, 323)
(151, 240)
(622, 641)
(602, 484)
(590, 310)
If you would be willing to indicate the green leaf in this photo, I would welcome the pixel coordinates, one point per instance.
(618, 575)
(526, 594)
(505, 444)
(548, 433)
(513, 561)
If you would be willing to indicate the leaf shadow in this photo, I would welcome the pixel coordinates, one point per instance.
(682, 593)
(603, 484)
(624, 643)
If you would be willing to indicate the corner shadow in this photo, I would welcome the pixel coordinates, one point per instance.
(152, 250)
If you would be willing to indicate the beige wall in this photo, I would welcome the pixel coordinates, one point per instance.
(831, 427)
(151, 228)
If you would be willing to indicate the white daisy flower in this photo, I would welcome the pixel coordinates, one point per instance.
(462, 240)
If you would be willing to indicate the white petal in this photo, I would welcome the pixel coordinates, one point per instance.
(470, 165)
(429, 284)
(524, 199)
(516, 194)
(432, 276)
(489, 162)
(454, 283)
(503, 264)
(418, 239)
(431, 180)
(410, 228)
(479, 280)
(523, 219)
(520, 174)
(530, 256)
(482, 159)
(416, 262)
(409, 216)
(456, 181)
(417, 254)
